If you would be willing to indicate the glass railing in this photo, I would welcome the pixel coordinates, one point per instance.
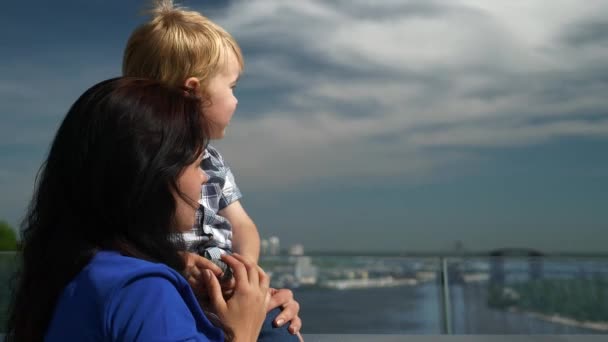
(362, 294)
(7, 269)
(434, 295)
(536, 295)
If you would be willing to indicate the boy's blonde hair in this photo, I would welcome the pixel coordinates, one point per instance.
(177, 44)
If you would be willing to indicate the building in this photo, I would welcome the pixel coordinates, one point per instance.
(264, 246)
(305, 272)
(274, 246)
(296, 250)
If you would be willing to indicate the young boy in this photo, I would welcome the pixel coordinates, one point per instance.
(185, 49)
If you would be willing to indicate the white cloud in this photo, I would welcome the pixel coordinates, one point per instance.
(510, 135)
(388, 79)
(426, 73)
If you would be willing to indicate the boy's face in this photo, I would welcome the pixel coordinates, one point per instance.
(223, 102)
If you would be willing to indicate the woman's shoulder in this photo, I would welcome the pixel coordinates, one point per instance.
(120, 295)
(109, 271)
(110, 264)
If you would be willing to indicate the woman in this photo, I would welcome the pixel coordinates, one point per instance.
(99, 260)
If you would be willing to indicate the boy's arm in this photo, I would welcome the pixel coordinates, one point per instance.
(246, 241)
(245, 236)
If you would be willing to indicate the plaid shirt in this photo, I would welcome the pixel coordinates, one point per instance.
(219, 191)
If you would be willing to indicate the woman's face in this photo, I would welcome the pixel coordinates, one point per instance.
(189, 184)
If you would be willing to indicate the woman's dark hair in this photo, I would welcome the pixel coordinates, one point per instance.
(107, 183)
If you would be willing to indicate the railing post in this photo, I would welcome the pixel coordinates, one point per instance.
(447, 308)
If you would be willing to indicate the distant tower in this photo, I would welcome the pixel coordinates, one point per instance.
(264, 247)
(274, 245)
(305, 272)
(296, 250)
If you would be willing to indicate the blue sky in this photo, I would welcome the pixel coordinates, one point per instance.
(364, 125)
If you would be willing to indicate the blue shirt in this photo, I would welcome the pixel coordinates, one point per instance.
(119, 298)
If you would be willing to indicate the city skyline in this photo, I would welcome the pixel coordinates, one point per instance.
(398, 126)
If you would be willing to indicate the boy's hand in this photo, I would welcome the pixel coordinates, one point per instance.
(289, 309)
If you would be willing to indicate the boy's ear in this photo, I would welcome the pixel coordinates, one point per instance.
(192, 83)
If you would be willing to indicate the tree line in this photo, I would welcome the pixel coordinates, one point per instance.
(8, 237)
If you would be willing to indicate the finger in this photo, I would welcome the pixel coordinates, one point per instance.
(300, 336)
(266, 299)
(295, 326)
(239, 271)
(194, 272)
(228, 283)
(200, 263)
(215, 292)
(197, 282)
(279, 298)
(264, 281)
(251, 267)
(265, 286)
(194, 283)
(199, 288)
(289, 313)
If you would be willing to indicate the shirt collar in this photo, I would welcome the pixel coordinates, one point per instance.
(206, 154)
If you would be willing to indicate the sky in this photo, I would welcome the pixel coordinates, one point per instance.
(363, 126)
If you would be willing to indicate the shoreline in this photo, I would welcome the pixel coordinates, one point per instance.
(593, 325)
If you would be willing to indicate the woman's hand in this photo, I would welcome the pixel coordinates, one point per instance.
(195, 268)
(245, 311)
(283, 298)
